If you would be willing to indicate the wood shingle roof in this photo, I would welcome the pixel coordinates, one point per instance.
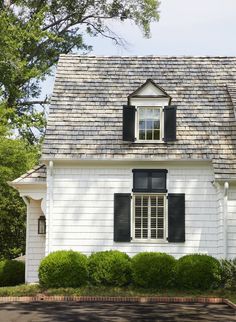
(85, 119)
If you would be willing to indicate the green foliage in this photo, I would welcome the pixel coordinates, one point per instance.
(16, 157)
(63, 269)
(110, 268)
(197, 271)
(11, 272)
(228, 273)
(33, 33)
(153, 270)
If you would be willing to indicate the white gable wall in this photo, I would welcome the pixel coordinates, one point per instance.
(232, 222)
(150, 89)
(82, 215)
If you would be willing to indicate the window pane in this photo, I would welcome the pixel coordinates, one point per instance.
(149, 125)
(138, 201)
(145, 233)
(142, 135)
(153, 223)
(145, 223)
(153, 233)
(141, 113)
(156, 113)
(160, 234)
(153, 201)
(149, 135)
(149, 113)
(160, 201)
(141, 125)
(156, 125)
(137, 233)
(153, 212)
(145, 211)
(145, 201)
(156, 135)
(140, 180)
(160, 222)
(160, 212)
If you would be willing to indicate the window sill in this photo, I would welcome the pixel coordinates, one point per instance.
(149, 241)
(149, 141)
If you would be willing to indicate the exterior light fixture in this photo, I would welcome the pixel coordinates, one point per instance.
(42, 225)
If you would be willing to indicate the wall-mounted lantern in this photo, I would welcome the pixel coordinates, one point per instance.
(42, 225)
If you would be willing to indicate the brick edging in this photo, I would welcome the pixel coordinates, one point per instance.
(231, 304)
(118, 299)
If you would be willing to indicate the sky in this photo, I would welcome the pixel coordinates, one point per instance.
(186, 27)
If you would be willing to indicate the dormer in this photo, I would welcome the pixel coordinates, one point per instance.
(149, 117)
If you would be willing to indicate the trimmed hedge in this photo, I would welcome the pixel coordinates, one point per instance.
(153, 270)
(109, 268)
(197, 271)
(63, 269)
(228, 273)
(11, 272)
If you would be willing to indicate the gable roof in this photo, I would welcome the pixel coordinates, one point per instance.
(149, 81)
(35, 175)
(85, 119)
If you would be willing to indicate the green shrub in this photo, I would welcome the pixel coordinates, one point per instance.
(109, 268)
(153, 270)
(228, 273)
(197, 271)
(63, 269)
(11, 272)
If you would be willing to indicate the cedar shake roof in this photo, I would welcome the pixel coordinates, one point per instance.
(85, 119)
(35, 175)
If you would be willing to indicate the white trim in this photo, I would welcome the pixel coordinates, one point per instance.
(27, 202)
(225, 220)
(50, 209)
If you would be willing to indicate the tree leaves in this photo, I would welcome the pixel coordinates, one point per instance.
(33, 33)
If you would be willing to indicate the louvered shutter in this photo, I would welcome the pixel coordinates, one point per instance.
(176, 217)
(129, 123)
(122, 217)
(169, 123)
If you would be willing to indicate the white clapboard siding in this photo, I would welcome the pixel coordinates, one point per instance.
(83, 201)
(232, 222)
(35, 244)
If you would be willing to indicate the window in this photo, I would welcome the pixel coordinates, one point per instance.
(149, 217)
(149, 124)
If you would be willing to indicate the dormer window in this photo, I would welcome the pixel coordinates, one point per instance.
(149, 123)
(149, 117)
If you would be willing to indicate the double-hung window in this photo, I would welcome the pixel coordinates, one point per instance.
(149, 216)
(149, 204)
(149, 125)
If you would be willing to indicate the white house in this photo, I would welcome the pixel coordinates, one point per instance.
(139, 155)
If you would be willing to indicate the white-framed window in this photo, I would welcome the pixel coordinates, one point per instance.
(149, 217)
(149, 125)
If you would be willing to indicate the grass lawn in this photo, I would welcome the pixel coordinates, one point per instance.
(31, 290)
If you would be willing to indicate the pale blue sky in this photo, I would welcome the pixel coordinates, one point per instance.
(186, 27)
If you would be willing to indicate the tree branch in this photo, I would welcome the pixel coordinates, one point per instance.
(27, 103)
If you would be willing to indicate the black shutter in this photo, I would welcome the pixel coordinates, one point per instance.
(176, 217)
(169, 123)
(122, 217)
(128, 123)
